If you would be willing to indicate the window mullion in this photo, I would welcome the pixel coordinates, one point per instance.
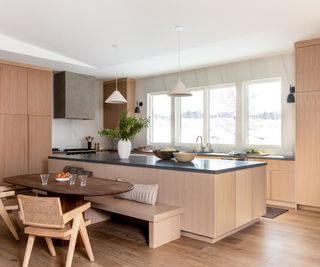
(206, 111)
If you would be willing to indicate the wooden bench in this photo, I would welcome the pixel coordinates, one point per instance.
(164, 220)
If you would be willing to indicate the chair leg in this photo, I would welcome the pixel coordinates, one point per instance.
(85, 239)
(73, 239)
(50, 246)
(5, 216)
(29, 247)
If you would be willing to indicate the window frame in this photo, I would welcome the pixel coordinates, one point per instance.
(150, 115)
(245, 137)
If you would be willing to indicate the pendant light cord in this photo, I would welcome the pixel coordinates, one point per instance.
(179, 57)
(116, 82)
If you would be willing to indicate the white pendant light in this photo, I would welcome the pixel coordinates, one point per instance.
(116, 97)
(179, 89)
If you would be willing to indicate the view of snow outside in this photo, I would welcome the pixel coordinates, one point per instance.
(191, 122)
(263, 118)
(264, 113)
(161, 118)
(222, 115)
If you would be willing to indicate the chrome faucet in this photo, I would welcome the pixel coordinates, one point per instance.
(202, 147)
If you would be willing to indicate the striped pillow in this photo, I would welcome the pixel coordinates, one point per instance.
(144, 193)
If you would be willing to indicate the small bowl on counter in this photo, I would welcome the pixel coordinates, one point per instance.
(164, 154)
(184, 157)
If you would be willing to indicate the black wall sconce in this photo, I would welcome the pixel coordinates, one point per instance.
(137, 109)
(291, 98)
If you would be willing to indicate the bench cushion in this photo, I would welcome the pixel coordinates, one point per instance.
(151, 213)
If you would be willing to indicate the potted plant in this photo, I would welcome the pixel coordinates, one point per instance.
(129, 126)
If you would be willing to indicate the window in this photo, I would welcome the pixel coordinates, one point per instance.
(228, 116)
(222, 116)
(190, 117)
(263, 112)
(160, 115)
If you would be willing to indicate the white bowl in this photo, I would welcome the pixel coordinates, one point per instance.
(184, 156)
(62, 179)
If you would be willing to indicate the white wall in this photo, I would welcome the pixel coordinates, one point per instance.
(276, 66)
(68, 133)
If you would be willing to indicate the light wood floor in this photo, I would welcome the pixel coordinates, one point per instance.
(293, 240)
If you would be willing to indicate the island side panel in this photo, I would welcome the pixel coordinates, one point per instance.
(259, 200)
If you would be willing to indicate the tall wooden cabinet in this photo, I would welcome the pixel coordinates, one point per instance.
(111, 112)
(25, 119)
(308, 122)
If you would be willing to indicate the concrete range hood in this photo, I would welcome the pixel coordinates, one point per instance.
(74, 96)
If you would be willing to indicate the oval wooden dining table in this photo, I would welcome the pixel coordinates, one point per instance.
(71, 196)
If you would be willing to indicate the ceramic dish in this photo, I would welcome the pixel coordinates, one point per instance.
(184, 156)
(164, 155)
(64, 179)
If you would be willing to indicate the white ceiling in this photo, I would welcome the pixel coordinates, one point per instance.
(78, 35)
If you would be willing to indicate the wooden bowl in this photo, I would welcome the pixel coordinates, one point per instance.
(164, 155)
(184, 156)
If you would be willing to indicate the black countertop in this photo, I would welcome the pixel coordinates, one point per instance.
(197, 165)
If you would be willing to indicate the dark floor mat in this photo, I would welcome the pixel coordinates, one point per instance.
(274, 212)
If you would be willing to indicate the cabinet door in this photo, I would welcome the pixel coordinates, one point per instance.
(198, 216)
(258, 192)
(224, 203)
(282, 186)
(13, 90)
(39, 92)
(111, 112)
(39, 143)
(243, 197)
(308, 68)
(13, 143)
(307, 149)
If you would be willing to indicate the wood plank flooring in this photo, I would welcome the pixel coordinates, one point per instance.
(292, 239)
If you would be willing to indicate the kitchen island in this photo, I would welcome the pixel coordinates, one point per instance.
(219, 197)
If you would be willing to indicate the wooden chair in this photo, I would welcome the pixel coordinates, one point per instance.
(44, 218)
(8, 205)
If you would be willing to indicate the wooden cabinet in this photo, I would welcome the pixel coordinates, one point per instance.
(39, 92)
(25, 139)
(308, 122)
(39, 141)
(308, 68)
(280, 182)
(13, 143)
(111, 112)
(307, 148)
(282, 186)
(13, 90)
